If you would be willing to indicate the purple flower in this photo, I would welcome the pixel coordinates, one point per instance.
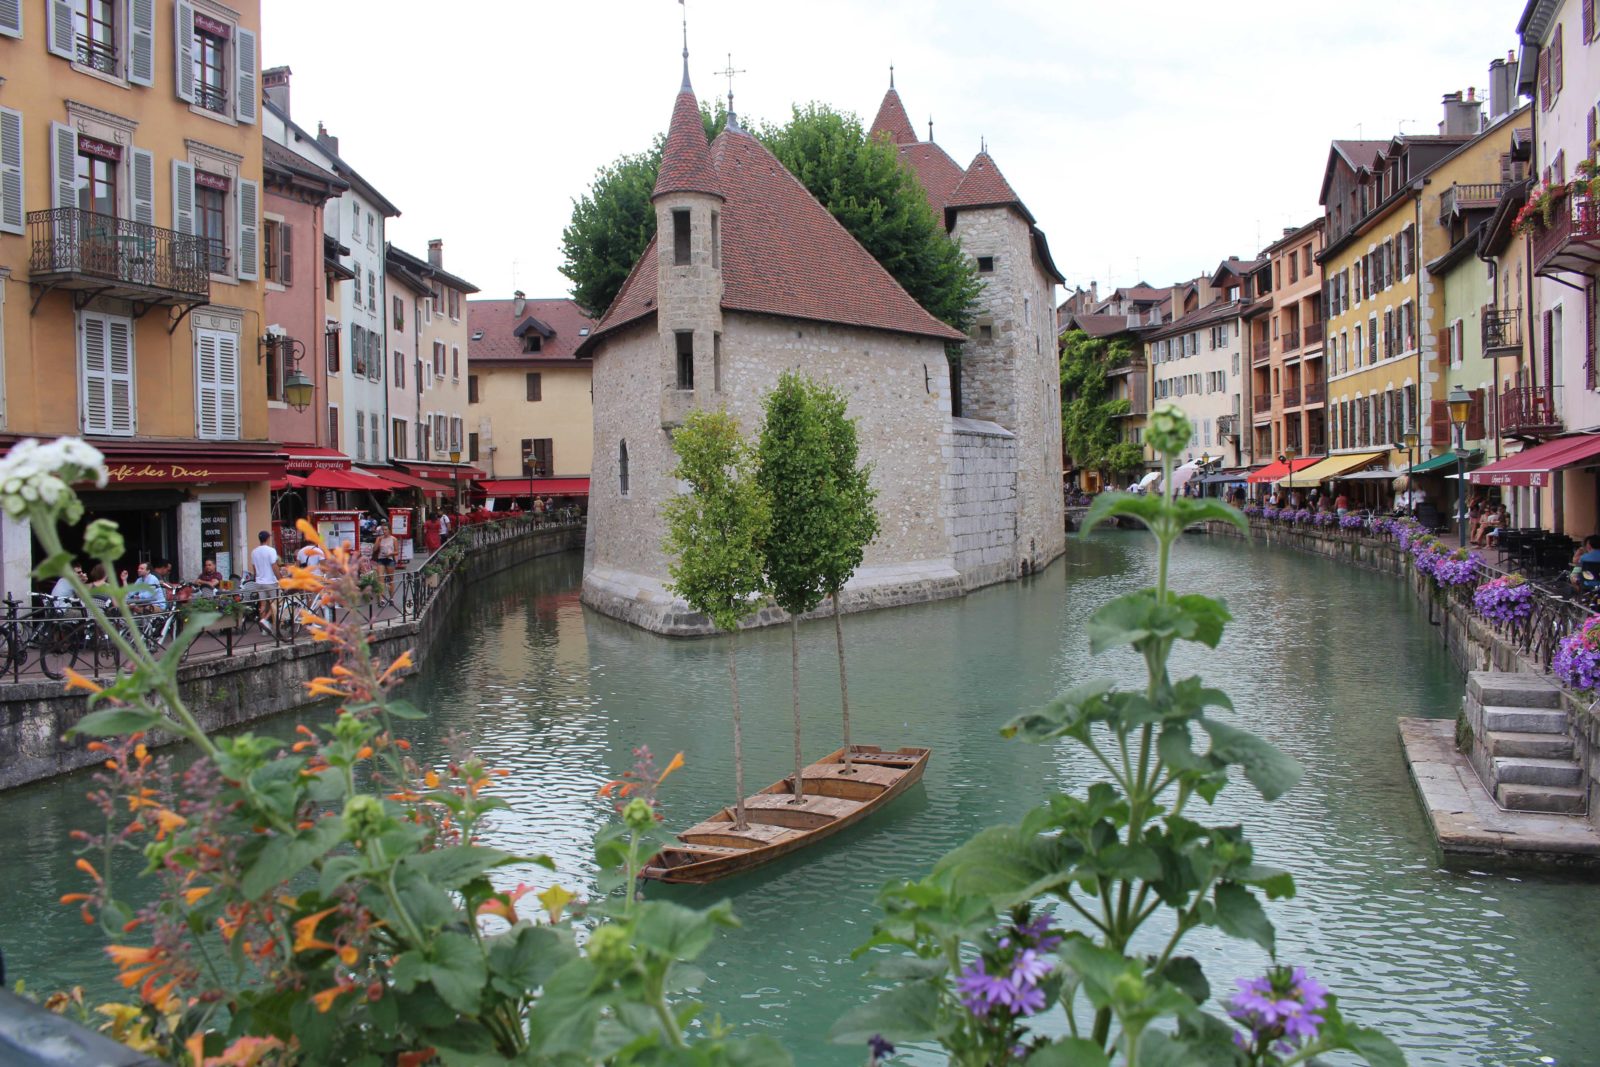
(981, 991)
(879, 1047)
(1504, 600)
(1036, 932)
(1280, 1008)
(1457, 568)
(1028, 967)
(1577, 658)
(1351, 522)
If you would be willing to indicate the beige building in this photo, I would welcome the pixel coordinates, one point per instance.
(530, 412)
(130, 267)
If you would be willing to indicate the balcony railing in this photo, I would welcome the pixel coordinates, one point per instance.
(212, 98)
(1313, 333)
(1572, 240)
(1260, 352)
(1228, 426)
(1263, 403)
(1502, 330)
(1291, 339)
(1291, 396)
(1461, 197)
(1316, 393)
(1530, 411)
(101, 57)
(77, 249)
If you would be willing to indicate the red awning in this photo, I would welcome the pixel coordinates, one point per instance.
(298, 459)
(1535, 466)
(411, 481)
(348, 481)
(442, 471)
(1279, 469)
(151, 462)
(541, 486)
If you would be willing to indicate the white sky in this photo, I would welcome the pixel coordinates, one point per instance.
(1151, 141)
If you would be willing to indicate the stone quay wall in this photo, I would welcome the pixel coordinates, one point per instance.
(982, 484)
(1474, 643)
(231, 691)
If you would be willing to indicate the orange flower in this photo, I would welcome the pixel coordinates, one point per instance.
(677, 761)
(88, 868)
(417, 1058)
(403, 745)
(136, 964)
(505, 904)
(78, 681)
(141, 753)
(401, 662)
(619, 787)
(196, 1047)
(348, 955)
(324, 687)
(159, 997)
(324, 1000)
(305, 932)
(301, 579)
(168, 821)
(193, 896)
(431, 779)
(365, 752)
(310, 533)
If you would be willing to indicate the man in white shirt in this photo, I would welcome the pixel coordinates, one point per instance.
(264, 576)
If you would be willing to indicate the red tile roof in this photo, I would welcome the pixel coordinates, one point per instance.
(783, 254)
(939, 174)
(893, 121)
(686, 159)
(498, 321)
(985, 186)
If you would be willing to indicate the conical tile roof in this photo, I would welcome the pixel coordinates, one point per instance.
(985, 186)
(686, 157)
(893, 120)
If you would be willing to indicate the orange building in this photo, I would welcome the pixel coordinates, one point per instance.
(130, 267)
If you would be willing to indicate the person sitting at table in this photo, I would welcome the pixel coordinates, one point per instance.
(1491, 526)
(1585, 576)
(148, 592)
(209, 580)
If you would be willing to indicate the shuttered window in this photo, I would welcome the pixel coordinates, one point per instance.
(183, 50)
(1588, 21)
(244, 81)
(142, 42)
(11, 204)
(105, 363)
(144, 187)
(249, 208)
(1557, 64)
(216, 358)
(361, 435)
(11, 18)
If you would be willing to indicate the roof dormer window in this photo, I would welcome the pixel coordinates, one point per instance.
(532, 342)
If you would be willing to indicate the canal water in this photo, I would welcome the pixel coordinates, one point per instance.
(1460, 967)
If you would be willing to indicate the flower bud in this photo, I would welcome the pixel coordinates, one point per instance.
(364, 816)
(608, 946)
(639, 815)
(103, 541)
(1168, 430)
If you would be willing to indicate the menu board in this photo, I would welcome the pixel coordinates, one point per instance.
(338, 528)
(216, 535)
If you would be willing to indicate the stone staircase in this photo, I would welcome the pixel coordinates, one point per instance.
(1522, 748)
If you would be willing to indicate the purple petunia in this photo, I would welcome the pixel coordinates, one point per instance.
(1351, 522)
(1455, 568)
(1504, 600)
(1280, 1008)
(1577, 658)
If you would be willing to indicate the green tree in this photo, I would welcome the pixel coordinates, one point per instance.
(714, 534)
(794, 466)
(862, 183)
(853, 522)
(613, 223)
(1088, 410)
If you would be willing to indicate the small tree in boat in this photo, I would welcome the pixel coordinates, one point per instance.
(714, 534)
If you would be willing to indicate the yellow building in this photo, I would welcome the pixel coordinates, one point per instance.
(1388, 210)
(130, 261)
(530, 409)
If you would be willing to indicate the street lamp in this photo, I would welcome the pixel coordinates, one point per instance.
(1205, 461)
(1410, 439)
(455, 476)
(1460, 402)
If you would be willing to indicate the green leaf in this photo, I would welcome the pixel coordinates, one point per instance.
(1146, 508)
(905, 1013)
(677, 932)
(452, 964)
(119, 722)
(1271, 771)
(1068, 714)
(404, 709)
(1186, 973)
(1372, 1046)
(1191, 510)
(286, 856)
(902, 967)
(454, 866)
(1138, 617)
(1068, 1052)
(1008, 867)
(1239, 914)
(522, 960)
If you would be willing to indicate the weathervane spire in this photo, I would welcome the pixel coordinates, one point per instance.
(729, 72)
(685, 13)
(891, 75)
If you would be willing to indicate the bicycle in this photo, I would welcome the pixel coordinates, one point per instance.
(74, 637)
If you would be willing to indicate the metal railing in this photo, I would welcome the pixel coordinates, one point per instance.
(1530, 410)
(42, 637)
(72, 241)
(1316, 392)
(101, 57)
(1313, 333)
(1572, 218)
(1263, 403)
(1291, 396)
(211, 97)
(1260, 352)
(1291, 339)
(1502, 328)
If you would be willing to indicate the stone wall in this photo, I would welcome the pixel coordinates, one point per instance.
(897, 388)
(1473, 642)
(231, 691)
(983, 502)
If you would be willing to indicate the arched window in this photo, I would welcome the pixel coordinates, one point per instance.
(622, 468)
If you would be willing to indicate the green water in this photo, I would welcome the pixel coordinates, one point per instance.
(1461, 967)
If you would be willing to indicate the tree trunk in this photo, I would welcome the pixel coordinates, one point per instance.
(738, 734)
(794, 689)
(844, 684)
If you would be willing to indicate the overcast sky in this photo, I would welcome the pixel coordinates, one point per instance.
(1150, 141)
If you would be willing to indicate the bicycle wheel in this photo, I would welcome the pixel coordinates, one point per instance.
(288, 621)
(58, 641)
(100, 650)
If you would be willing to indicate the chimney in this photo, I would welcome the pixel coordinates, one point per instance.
(519, 303)
(1462, 116)
(275, 83)
(326, 139)
(1502, 87)
(436, 253)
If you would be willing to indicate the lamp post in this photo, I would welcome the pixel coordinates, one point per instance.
(1410, 439)
(455, 477)
(1460, 402)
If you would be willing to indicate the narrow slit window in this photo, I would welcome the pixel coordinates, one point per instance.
(685, 359)
(622, 468)
(716, 241)
(680, 237)
(716, 357)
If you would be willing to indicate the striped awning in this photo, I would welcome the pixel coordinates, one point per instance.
(1332, 467)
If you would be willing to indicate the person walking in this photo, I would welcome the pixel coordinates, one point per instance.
(264, 575)
(385, 553)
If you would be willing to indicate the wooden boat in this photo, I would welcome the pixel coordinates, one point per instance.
(777, 826)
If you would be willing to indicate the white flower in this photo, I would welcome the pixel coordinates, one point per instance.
(32, 472)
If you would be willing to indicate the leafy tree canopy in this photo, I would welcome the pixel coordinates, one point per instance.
(1088, 411)
(859, 179)
(853, 518)
(794, 465)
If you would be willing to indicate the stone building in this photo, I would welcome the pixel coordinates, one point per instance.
(749, 276)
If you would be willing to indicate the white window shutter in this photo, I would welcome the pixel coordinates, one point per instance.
(119, 374)
(142, 42)
(63, 165)
(249, 199)
(183, 197)
(245, 76)
(11, 18)
(183, 49)
(12, 215)
(205, 393)
(228, 386)
(59, 30)
(93, 364)
(144, 187)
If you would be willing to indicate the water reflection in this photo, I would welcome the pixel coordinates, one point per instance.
(1462, 968)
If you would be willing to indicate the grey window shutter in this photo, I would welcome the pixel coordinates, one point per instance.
(11, 209)
(144, 187)
(63, 165)
(182, 197)
(58, 31)
(249, 230)
(286, 254)
(244, 68)
(183, 49)
(11, 18)
(142, 42)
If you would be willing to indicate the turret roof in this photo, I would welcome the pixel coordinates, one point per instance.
(686, 157)
(985, 186)
(892, 120)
